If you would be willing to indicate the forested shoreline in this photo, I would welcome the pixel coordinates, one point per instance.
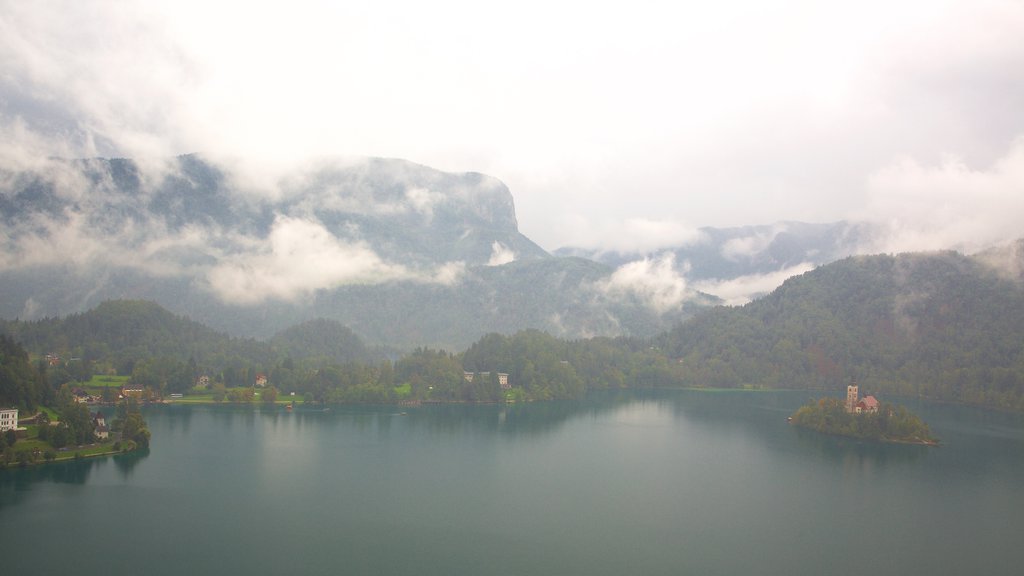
(890, 423)
(941, 326)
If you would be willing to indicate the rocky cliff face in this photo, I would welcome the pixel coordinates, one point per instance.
(404, 254)
(406, 211)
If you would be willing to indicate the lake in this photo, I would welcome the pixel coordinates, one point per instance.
(675, 482)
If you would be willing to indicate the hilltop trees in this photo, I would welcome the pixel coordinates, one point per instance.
(20, 383)
(937, 325)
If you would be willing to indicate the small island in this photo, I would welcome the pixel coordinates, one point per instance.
(863, 418)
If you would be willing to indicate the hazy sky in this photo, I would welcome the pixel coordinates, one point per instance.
(615, 124)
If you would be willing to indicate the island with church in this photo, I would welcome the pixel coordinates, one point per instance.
(863, 418)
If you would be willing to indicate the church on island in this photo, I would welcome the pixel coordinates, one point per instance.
(855, 405)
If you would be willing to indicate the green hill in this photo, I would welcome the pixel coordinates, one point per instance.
(938, 325)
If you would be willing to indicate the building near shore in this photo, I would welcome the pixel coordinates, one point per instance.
(857, 405)
(8, 419)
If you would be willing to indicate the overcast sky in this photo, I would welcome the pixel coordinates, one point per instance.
(615, 124)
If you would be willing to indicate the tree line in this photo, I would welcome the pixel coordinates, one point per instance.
(941, 326)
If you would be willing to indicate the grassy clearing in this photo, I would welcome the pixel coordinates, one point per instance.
(98, 381)
(40, 448)
(207, 398)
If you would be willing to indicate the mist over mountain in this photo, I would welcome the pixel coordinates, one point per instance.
(403, 254)
(748, 261)
(936, 324)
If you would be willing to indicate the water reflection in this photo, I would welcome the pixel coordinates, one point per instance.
(857, 455)
(126, 463)
(71, 472)
(533, 419)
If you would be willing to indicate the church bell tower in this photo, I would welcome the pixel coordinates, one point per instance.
(851, 396)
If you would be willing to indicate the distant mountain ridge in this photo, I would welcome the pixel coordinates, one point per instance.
(404, 254)
(939, 325)
(403, 209)
(723, 253)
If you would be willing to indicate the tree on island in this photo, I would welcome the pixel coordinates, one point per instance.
(891, 423)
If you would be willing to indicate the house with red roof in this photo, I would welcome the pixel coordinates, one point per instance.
(869, 405)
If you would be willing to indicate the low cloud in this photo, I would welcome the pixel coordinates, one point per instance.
(740, 290)
(631, 235)
(297, 258)
(949, 204)
(654, 282)
(72, 239)
(501, 254)
(448, 274)
(747, 247)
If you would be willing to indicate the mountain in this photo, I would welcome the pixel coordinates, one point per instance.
(940, 325)
(727, 253)
(121, 332)
(404, 210)
(143, 339)
(320, 338)
(403, 254)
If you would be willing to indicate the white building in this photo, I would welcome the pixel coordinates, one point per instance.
(8, 419)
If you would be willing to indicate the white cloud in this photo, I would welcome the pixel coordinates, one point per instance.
(769, 111)
(949, 204)
(750, 246)
(297, 258)
(740, 290)
(501, 254)
(71, 239)
(423, 200)
(629, 235)
(448, 274)
(654, 282)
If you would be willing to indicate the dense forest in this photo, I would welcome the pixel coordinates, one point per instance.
(20, 383)
(321, 360)
(942, 326)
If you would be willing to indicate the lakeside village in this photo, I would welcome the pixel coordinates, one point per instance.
(107, 390)
(864, 418)
(77, 433)
(74, 430)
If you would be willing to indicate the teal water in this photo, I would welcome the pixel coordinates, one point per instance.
(679, 482)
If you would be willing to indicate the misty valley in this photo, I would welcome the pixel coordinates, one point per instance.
(380, 365)
(554, 288)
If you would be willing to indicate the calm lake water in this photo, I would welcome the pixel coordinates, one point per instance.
(680, 482)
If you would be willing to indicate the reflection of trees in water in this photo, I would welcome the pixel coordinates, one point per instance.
(762, 416)
(180, 415)
(529, 418)
(71, 472)
(857, 455)
(513, 419)
(125, 463)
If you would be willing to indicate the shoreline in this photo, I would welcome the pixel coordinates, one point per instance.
(882, 440)
(67, 456)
